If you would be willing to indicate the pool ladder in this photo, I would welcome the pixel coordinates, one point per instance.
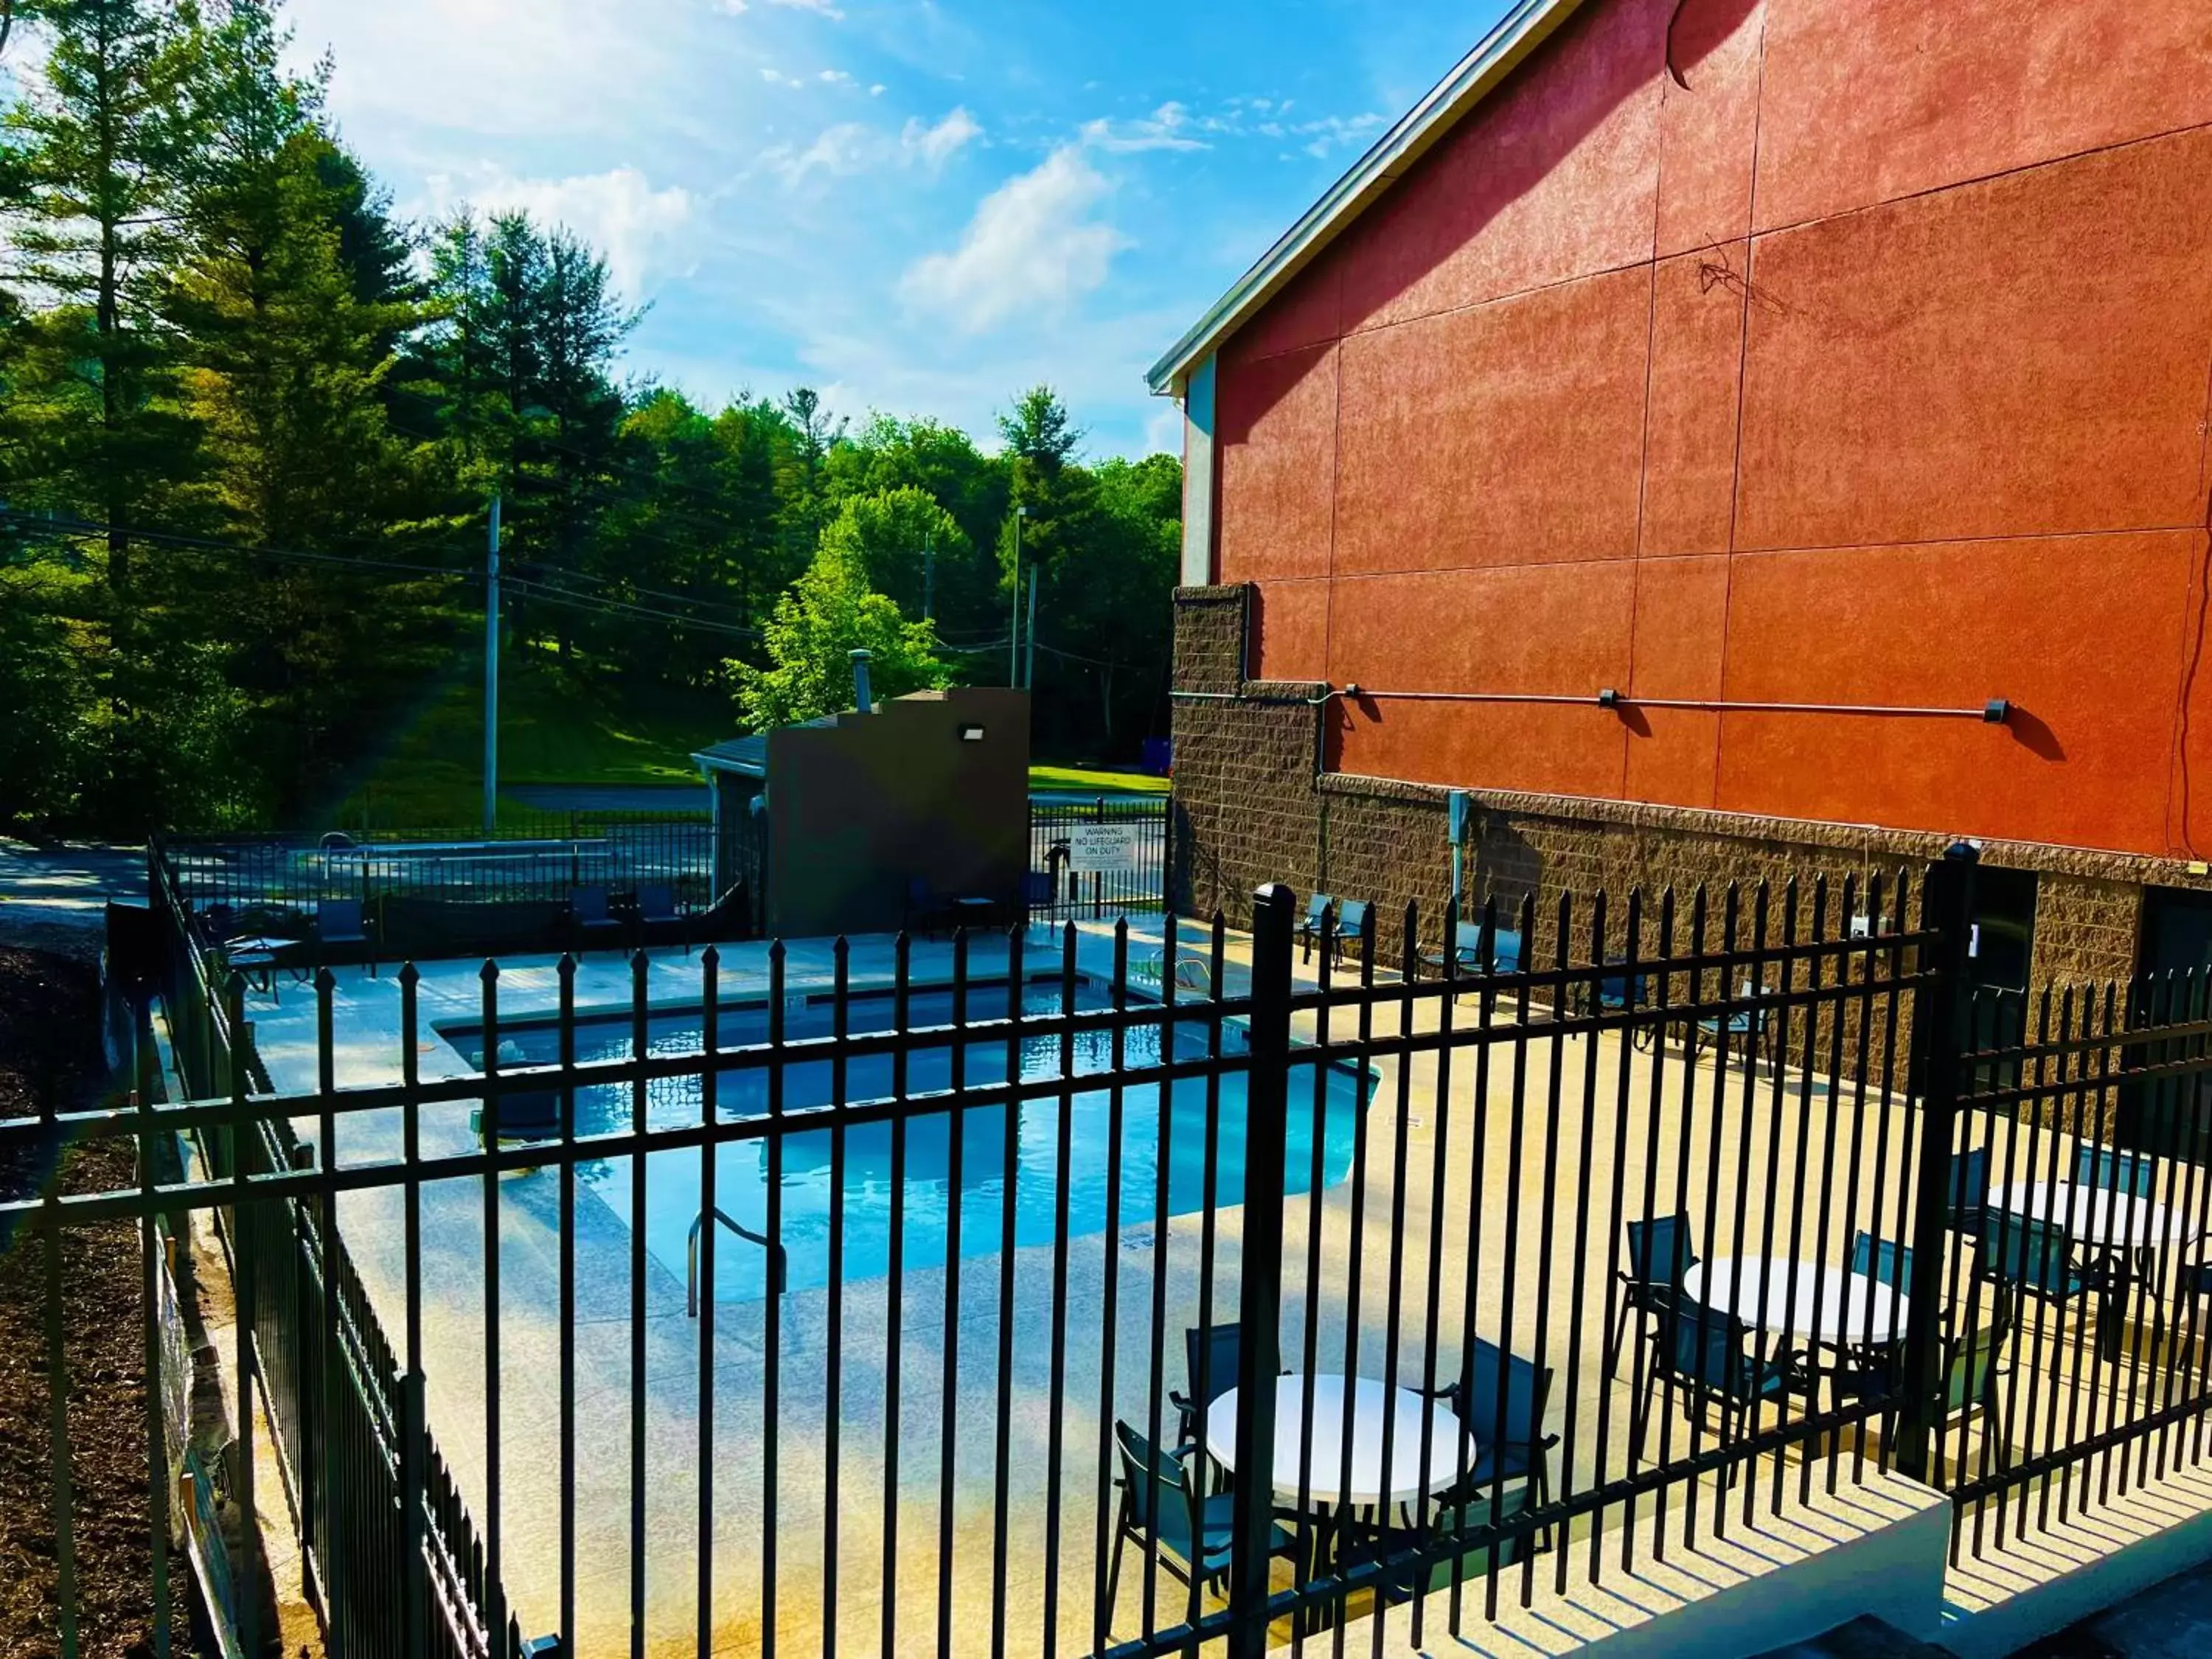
(778, 1270)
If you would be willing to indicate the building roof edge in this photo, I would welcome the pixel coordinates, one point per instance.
(1518, 33)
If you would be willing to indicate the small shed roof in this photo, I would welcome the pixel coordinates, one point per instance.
(747, 755)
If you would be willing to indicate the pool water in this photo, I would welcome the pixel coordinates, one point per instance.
(987, 1148)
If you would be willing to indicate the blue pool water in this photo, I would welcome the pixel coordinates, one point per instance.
(673, 1179)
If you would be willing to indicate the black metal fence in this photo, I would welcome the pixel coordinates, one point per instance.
(375, 1505)
(1097, 859)
(541, 859)
(2084, 1127)
(1126, 1293)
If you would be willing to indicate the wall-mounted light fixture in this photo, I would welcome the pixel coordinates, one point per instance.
(971, 734)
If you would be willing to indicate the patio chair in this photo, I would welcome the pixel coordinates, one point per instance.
(1966, 1199)
(1744, 1029)
(1500, 1398)
(1159, 1504)
(1312, 925)
(1659, 1254)
(659, 916)
(1457, 1519)
(928, 911)
(590, 917)
(1212, 1353)
(1619, 993)
(1351, 927)
(1710, 1357)
(1468, 956)
(340, 922)
(2025, 1256)
(1883, 1261)
(2114, 1170)
(1973, 1365)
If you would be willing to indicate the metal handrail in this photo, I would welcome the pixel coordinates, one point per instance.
(779, 1269)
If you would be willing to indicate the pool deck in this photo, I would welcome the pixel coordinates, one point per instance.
(1005, 1553)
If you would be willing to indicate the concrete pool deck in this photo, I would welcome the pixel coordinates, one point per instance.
(1611, 1098)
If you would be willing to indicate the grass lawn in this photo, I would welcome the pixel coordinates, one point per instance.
(553, 727)
(1083, 781)
(562, 727)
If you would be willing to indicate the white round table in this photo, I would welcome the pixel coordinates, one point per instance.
(1828, 1305)
(2095, 1216)
(1451, 1447)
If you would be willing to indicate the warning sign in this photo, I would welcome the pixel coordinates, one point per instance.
(1104, 848)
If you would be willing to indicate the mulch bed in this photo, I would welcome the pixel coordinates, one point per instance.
(50, 1056)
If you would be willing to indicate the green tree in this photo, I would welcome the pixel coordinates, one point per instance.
(102, 144)
(827, 614)
(283, 378)
(903, 540)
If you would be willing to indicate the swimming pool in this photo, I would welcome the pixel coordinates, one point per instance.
(988, 1149)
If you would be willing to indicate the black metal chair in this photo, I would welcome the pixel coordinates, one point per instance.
(1620, 993)
(1710, 1358)
(2110, 1169)
(928, 911)
(1746, 1029)
(660, 917)
(2023, 1256)
(1660, 1254)
(1468, 953)
(1314, 924)
(591, 916)
(1500, 1399)
(342, 923)
(1973, 1365)
(1213, 1353)
(1351, 927)
(1476, 1516)
(1159, 1505)
(1883, 1261)
(1966, 1192)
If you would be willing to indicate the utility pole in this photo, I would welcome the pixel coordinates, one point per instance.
(1014, 626)
(491, 675)
(1028, 672)
(928, 572)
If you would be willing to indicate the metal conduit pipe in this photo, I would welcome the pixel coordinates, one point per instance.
(1996, 711)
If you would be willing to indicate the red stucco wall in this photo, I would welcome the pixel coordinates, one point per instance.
(1872, 367)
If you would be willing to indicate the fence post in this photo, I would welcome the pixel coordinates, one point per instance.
(1098, 877)
(1939, 1006)
(1260, 1304)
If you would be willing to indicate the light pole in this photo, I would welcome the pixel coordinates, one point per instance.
(491, 676)
(1014, 623)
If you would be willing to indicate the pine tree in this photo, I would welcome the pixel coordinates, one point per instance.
(102, 142)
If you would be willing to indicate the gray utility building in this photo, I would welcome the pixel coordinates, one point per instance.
(912, 813)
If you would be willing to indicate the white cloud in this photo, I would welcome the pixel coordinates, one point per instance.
(854, 147)
(849, 146)
(619, 213)
(1031, 250)
(835, 78)
(819, 8)
(1168, 127)
(564, 67)
(934, 145)
(1334, 131)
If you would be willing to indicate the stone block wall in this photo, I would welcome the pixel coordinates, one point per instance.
(1252, 805)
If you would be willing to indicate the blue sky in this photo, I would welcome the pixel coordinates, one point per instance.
(917, 206)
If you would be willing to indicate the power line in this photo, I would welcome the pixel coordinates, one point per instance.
(63, 525)
(585, 602)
